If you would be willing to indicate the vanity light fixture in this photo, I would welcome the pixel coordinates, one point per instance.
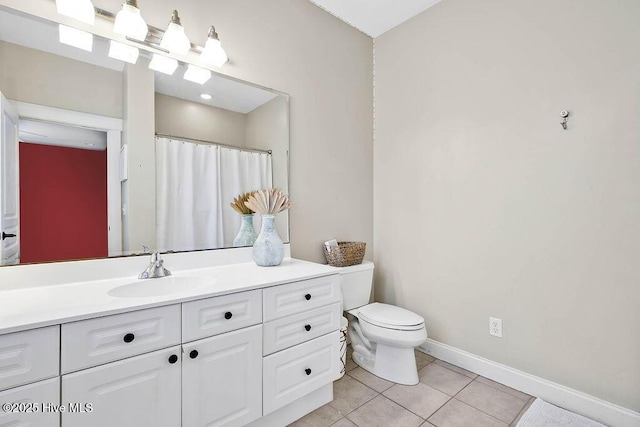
(123, 52)
(81, 10)
(196, 74)
(174, 39)
(206, 96)
(76, 38)
(213, 53)
(163, 64)
(129, 23)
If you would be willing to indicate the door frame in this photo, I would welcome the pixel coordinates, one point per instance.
(113, 128)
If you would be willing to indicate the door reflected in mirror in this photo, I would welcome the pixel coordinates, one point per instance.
(100, 157)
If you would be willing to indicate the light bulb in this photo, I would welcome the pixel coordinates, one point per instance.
(213, 53)
(197, 74)
(163, 64)
(123, 52)
(174, 39)
(129, 22)
(76, 38)
(81, 10)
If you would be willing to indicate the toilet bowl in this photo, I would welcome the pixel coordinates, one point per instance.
(383, 336)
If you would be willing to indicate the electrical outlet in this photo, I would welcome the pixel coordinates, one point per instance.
(495, 327)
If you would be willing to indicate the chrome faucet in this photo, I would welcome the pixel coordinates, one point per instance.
(155, 268)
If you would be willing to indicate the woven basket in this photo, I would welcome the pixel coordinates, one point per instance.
(347, 253)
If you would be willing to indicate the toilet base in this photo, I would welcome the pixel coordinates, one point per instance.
(393, 364)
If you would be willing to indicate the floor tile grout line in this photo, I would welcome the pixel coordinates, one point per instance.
(417, 415)
(478, 409)
(523, 410)
(379, 392)
(496, 388)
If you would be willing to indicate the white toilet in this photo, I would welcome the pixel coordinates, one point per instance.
(383, 336)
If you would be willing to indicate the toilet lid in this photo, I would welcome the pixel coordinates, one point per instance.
(390, 316)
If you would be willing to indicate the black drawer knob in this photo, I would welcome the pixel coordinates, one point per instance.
(307, 371)
(307, 327)
(173, 359)
(193, 354)
(129, 337)
(228, 315)
(307, 297)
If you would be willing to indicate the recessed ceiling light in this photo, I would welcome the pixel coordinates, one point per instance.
(205, 96)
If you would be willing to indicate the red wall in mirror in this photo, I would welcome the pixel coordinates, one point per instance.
(63, 203)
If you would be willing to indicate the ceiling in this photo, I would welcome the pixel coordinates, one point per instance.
(374, 17)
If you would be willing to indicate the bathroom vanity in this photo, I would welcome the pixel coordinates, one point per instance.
(229, 345)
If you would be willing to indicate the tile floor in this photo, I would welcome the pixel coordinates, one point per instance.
(446, 396)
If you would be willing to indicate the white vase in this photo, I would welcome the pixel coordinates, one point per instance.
(246, 235)
(268, 249)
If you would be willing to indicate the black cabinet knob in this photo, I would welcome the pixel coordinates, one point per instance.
(129, 337)
(228, 315)
(307, 371)
(193, 354)
(173, 359)
(307, 327)
(307, 297)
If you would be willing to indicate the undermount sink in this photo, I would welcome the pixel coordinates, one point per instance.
(159, 287)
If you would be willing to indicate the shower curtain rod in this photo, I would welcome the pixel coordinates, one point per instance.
(251, 150)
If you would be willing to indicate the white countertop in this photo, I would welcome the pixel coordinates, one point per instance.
(35, 307)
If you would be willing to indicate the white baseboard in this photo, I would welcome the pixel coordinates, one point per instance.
(573, 400)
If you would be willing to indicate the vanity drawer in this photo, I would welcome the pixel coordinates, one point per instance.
(93, 342)
(38, 400)
(297, 371)
(29, 356)
(297, 297)
(289, 331)
(213, 316)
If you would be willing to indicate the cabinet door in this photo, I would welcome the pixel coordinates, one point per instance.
(222, 379)
(39, 400)
(29, 356)
(142, 391)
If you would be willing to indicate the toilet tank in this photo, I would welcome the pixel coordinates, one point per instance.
(356, 282)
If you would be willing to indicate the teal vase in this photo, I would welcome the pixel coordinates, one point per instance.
(268, 249)
(246, 235)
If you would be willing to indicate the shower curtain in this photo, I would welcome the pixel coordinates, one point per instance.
(195, 184)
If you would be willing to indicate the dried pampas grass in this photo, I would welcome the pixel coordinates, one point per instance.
(268, 202)
(239, 204)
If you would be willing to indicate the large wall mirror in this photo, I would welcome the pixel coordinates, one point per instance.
(113, 156)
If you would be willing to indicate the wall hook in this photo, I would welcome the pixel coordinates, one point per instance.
(565, 118)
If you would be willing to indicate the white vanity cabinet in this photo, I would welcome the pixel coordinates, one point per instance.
(138, 391)
(29, 356)
(301, 339)
(32, 405)
(29, 377)
(260, 357)
(222, 379)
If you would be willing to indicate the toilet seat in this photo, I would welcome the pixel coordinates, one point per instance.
(390, 317)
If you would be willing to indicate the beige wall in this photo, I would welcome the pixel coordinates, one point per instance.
(37, 77)
(484, 206)
(139, 191)
(178, 117)
(268, 129)
(325, 65)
